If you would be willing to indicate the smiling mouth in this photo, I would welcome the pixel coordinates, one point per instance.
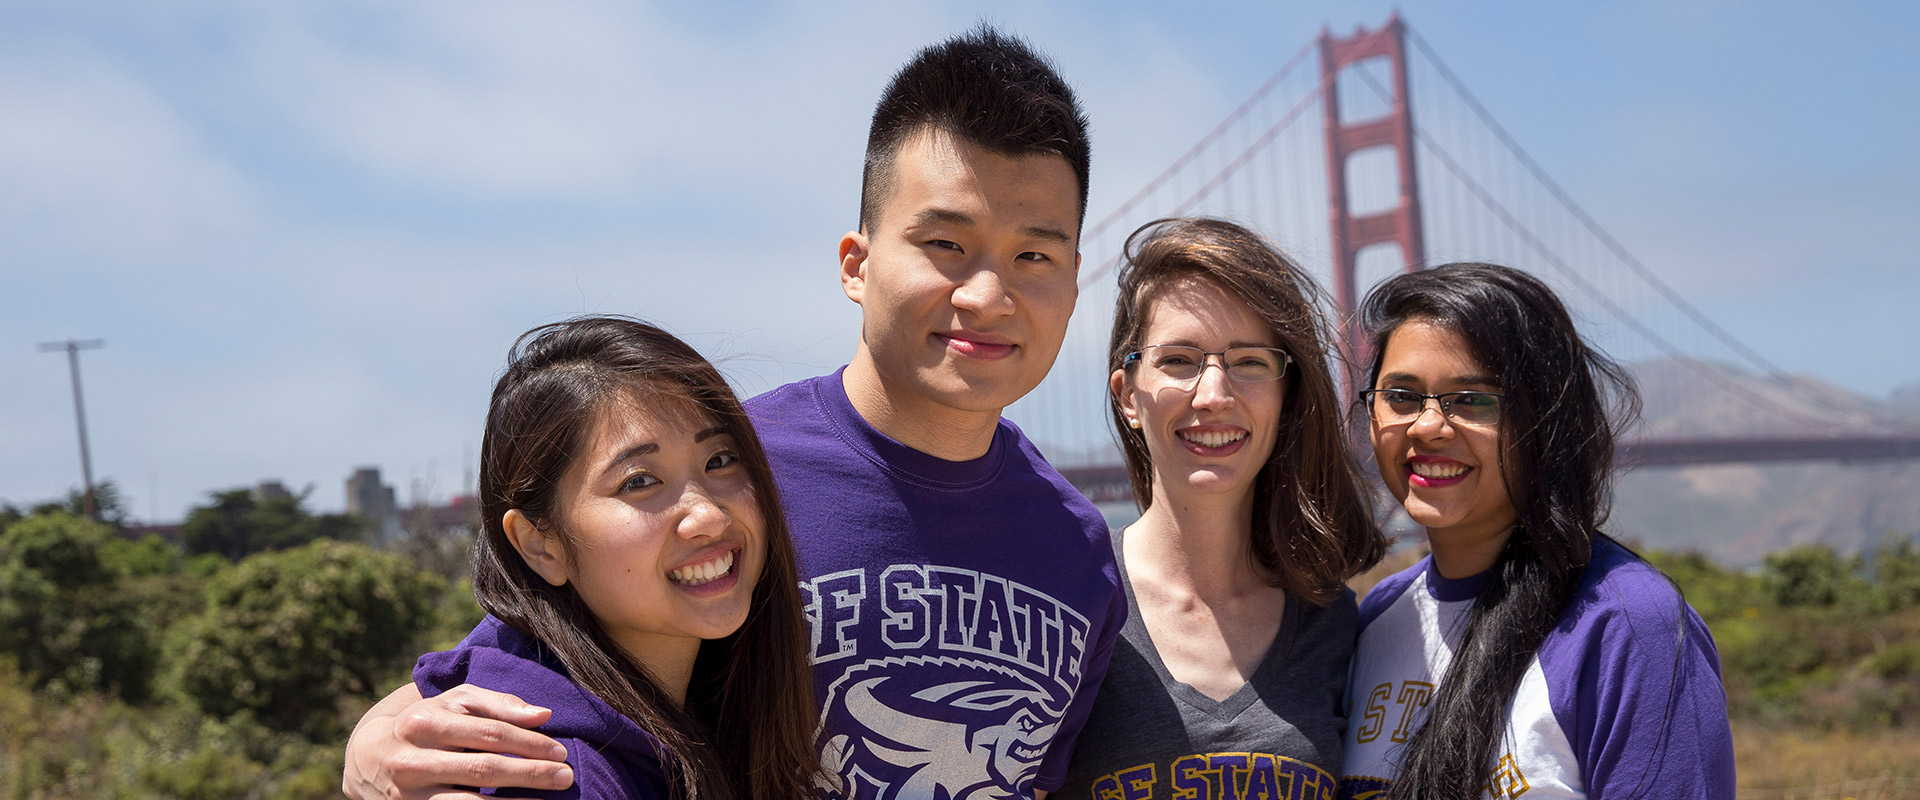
(1438, 471)
(704, 572)
(1214, 438)
(977, 349)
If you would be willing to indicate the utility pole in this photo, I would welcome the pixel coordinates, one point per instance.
(73, 348)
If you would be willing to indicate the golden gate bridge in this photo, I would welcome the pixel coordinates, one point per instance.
(1330, 160)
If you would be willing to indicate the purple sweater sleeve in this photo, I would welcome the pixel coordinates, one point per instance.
(1636, 685)
(611, 756)
(1389, 589)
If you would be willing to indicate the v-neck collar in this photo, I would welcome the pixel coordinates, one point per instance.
(1243, 697)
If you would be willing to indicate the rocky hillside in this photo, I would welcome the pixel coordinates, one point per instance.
(1738, 513)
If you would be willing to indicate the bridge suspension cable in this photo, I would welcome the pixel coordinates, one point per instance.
(1486, 199)
(1753, 357)
(1194, 152)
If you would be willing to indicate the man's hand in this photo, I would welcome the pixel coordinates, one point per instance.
(407, 747)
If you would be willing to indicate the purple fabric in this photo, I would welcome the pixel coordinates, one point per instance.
(1389, 589)
(610, 755)
(1636, 685)
(1633, 678)
(1450, 590)
(962, 612)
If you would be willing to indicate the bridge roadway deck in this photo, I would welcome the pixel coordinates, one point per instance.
(1103, 482)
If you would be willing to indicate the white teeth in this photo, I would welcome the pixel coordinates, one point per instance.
(1214, 438)
(1428, 469)
(703, 572)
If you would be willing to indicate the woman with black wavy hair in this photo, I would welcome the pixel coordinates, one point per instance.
(1531, 653)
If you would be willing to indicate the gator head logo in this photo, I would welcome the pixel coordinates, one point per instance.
(936, 727)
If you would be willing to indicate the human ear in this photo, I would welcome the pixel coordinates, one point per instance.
(541, 552)
(853, 264)
(1122, 388)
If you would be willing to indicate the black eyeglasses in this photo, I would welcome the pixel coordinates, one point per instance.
(1399, 406)
(1180, 365)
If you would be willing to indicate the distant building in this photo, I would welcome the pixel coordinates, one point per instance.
(457, 520)
(373, 502)
(271, 490)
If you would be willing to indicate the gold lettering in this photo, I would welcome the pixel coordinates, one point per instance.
(1413, 697)
(1376, 713)
(1506, 780)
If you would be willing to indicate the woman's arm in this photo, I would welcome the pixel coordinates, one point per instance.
(409, 747)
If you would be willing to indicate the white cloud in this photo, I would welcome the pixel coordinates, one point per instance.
(309, 232)
(574, 101)
(95, 164)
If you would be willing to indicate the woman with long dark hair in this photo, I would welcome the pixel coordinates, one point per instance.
(1229, 670)
(637, 572)
(1530, 653)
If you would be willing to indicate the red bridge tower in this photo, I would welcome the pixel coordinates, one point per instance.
(1398, 225)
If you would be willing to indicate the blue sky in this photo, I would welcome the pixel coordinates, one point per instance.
(308, 232)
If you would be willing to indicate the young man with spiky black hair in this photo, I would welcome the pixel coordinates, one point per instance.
(962, 595)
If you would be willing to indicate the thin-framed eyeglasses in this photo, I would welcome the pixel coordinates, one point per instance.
(1180, 366)
(1399, 406)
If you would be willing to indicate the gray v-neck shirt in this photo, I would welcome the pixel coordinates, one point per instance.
(1279, 736)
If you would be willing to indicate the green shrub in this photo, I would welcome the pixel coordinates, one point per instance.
(1897, 661)
(1896, 572)
(61, 615)
(1813, 575)
(287, 636)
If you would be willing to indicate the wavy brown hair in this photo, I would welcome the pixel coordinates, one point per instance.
(746, 730)
(1313, 524)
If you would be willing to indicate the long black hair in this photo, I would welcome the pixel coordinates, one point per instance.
(746, 730)
(1313, 526)
(1564, 402)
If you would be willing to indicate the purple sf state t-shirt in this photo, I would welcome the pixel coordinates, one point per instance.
(610, 755)
(962, 612)
(1623, 699)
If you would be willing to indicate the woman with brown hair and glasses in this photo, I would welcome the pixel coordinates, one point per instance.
(1229, 671)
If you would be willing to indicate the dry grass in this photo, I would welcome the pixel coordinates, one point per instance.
(1815, 765)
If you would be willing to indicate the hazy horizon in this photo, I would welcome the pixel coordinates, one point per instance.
(308, 233)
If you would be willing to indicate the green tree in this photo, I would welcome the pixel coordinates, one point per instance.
(109, 505)
(1896, 572)
(61, 616)
(238, 523)
(1813, 575)
(150, 555)
(288, 635)
(1713, 590)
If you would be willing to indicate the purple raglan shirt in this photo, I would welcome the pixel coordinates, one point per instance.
(610, 755)
(1623, 699)
(962, 612)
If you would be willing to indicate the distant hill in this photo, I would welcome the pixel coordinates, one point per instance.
(1736, 514)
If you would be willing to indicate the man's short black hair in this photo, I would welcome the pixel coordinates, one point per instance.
(987, 88)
